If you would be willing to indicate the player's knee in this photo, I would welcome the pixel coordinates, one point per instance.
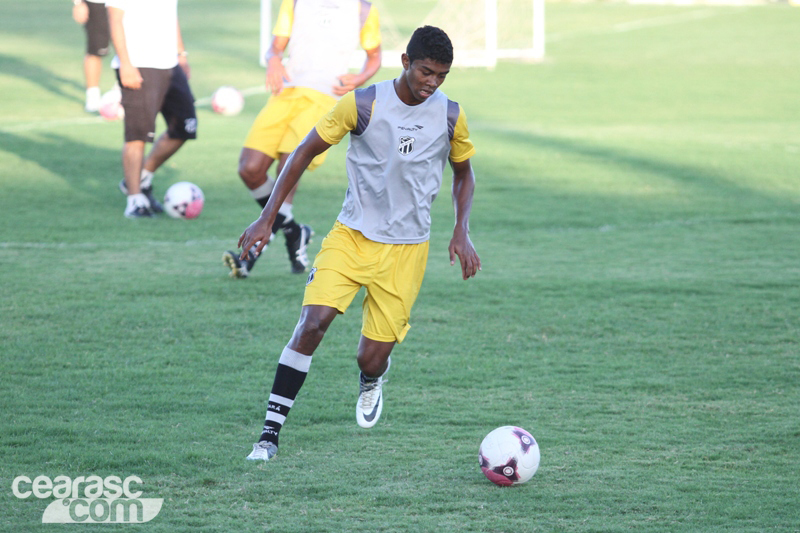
(371, 365)
(252, 172)
(309, 333)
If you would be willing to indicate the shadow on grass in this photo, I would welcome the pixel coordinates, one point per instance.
(695, 179)
(87, 169)
(15, 66)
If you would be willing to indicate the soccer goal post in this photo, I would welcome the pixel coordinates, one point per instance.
(482, 31)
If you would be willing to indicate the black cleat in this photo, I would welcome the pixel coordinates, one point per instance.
(239, 268)
(297, 247)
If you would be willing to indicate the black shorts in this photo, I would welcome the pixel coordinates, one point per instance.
(97, 32)
(164, 91)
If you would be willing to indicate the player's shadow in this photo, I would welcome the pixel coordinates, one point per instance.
(65, 87)
(88, 169)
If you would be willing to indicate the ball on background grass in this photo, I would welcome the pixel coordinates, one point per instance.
(184, 200)
(509, 455)
(111, 105)
(227, 101)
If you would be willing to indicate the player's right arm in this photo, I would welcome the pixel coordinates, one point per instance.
(370, 37)
(329, 131)
(80, 12)
(276, 72)
(298, 161)
(128, 74)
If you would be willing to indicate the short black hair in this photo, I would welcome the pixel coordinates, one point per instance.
(430, 42)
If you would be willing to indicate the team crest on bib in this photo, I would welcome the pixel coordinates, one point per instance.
(406, 145)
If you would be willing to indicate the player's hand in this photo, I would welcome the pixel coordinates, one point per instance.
(80, 13)
(130, 77)
(260, 230)
(276, 73)
(461, 246)
(347, 83)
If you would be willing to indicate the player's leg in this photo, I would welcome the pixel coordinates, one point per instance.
(179, 113)
(374, 362)
(260, 151)
(141, 108)
(293, 367)
(97, 39)
(92, 67)
(391, 294)
(330, 289)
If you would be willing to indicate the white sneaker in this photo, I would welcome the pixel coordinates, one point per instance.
(370, 400)
(138, 207)
(262, 451)
(93, 100)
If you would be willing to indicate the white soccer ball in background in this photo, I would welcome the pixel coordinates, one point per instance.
(111, 105)
(227, 101)
(184, 200)
(509, 456)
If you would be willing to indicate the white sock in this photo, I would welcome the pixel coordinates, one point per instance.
(92, 93)
(263, 190)
(286, 210)
(146, 180)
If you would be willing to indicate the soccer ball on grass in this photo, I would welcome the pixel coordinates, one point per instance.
(227, 101)
(509, 455)
(111, 105)
(184, 200)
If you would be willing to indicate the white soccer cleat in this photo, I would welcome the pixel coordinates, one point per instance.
(263, 451)
(370, 400)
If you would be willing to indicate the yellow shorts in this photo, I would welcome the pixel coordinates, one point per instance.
(391, 273)
(286, 120)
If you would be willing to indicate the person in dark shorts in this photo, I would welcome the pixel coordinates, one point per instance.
(92, 15)
(153, 74)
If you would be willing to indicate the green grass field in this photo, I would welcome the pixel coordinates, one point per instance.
(638, 218)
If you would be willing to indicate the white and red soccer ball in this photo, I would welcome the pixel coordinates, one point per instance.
(509, 455)
(227, 101)
(184, 200)
(111, 105)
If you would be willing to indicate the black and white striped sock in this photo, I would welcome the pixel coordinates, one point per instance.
(292, 371)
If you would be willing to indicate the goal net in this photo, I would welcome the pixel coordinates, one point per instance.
(482, 31)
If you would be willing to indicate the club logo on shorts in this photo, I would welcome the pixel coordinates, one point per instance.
(311, 275)
(190, 125)
(406, 145)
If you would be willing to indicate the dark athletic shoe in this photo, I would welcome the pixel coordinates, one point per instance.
(239, 268)
(297, 247)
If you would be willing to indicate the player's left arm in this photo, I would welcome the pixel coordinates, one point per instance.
(371, 42)
(460, 244)
(298, 161)
(461, 150)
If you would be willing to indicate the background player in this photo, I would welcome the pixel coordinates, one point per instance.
(321, 36)
(153, 71)
(402, 132)
(92, 15)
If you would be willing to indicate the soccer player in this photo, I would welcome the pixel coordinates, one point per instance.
(91, 14)
(320, 37)
(153, 73)
(402, 132)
